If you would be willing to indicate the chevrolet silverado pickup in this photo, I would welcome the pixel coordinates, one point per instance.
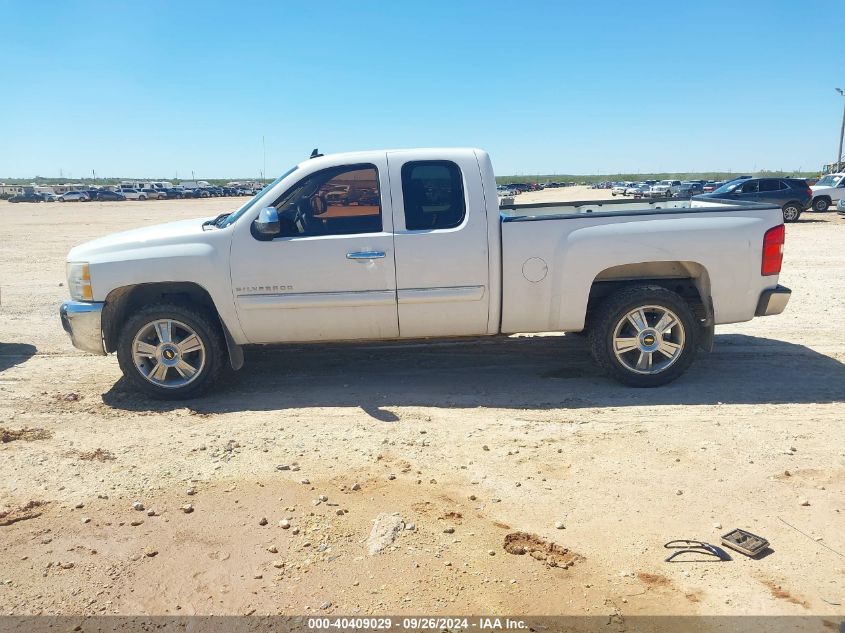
(419, 247)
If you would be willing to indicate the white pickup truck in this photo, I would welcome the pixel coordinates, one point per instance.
(420, 248)
(828, 191)
(665, 188)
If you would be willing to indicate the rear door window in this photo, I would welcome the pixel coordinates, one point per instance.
(433, 194)
(771, 184)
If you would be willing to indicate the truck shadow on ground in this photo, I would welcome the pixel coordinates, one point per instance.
(12, 354)
(520, 373)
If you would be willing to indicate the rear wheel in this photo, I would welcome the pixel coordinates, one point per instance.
(644, 336)
(820, 205)
(791, 212)
(171, 351)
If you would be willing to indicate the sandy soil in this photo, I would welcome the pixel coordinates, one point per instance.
(468, 442)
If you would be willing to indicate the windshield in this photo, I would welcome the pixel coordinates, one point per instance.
(829, 181)
(729, 186)
(234, 216)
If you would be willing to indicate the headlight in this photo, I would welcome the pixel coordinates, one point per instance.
(79, 281)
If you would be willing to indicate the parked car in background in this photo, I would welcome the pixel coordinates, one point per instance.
(712, 185)
(828, 191)
(27, 197)
(620, 187)
(665, 189)
(520, 187)
(840, 206)
(153, 194)
(689, 189)
(106, 195)
(48, 196)
(638, 191)
(133, 194)
(173, 193)
(793, 195)
(75, 196)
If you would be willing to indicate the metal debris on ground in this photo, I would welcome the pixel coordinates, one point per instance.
(712, 553)
(745, 542)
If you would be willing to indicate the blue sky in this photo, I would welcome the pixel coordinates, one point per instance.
(163, 88)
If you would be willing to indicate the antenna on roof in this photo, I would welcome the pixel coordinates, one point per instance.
(316, 153)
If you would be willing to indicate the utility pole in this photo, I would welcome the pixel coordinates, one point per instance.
(264, 163)
(841, 132)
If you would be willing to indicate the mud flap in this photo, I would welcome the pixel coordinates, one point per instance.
(705, 340)
(236, 352)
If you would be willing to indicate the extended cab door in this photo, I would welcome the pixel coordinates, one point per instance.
(440, 220)
(329, 274)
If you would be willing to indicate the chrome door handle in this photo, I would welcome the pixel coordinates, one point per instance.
(365, 255)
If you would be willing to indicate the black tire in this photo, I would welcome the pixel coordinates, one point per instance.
(613, 310)
(206, 327)
(820, 205)
(142, 197)
(791, 212)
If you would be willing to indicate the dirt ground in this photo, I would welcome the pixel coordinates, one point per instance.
(461, 445)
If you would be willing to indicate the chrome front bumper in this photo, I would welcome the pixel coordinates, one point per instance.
(82, 320)
(773, 301)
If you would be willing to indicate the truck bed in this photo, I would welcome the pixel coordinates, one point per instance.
(553, 253)
(609, 208)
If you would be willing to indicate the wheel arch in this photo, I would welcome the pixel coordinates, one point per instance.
(121, 301)
(688, 279)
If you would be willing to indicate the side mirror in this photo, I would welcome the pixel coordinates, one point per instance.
(267, 225)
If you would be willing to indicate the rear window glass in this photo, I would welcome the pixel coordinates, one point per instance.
(433, 194)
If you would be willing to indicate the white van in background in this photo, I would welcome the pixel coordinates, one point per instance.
(194, 184)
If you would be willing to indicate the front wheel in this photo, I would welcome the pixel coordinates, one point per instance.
(171, 351)
(791, 212)
(644, 336)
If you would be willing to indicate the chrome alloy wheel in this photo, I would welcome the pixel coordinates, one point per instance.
(168, 353)
(648, 339)
(791, 213)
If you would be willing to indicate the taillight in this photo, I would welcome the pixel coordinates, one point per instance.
(773, 250)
